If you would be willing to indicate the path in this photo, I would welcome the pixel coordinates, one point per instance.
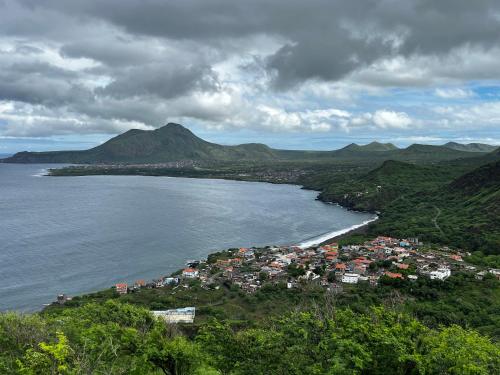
(434, 220)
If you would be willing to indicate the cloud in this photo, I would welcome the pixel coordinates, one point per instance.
(481, 115)
(391, 119)
(454, 93)
(86, 67)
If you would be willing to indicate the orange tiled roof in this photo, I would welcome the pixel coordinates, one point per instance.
(393, 275)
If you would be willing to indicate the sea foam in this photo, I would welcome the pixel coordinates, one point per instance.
(41, 173)
(314, 241)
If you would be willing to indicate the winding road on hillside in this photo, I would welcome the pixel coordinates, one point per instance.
(434, 220)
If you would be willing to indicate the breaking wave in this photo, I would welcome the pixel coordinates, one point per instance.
(314, 241)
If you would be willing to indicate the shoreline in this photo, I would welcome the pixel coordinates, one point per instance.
(335, 235)
(309, 242)
(315, 241)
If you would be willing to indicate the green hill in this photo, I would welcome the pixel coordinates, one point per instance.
(470, 147)
(453, 202)
(463, 212)
(375, 190)
(370, 147)
(171, 142)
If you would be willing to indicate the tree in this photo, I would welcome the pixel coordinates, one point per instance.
(295, 271)
(455, 350)
(52, 359)
(174, 356)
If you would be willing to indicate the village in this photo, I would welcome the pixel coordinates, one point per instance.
(331, 266)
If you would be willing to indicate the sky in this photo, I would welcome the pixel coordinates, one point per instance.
(294, 74)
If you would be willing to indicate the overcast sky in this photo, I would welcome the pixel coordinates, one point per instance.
(293, 73)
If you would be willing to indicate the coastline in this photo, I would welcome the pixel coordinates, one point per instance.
(327, 237)
(336, 235)
(309, 242)
(313, 241)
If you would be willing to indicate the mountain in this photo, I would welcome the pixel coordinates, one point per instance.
(370, 147)
(461, 212)
(375, 190)
(171, 142)
(421, 152)
(486, 177)
(470, 147)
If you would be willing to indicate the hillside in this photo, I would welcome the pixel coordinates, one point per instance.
(173, 142)
(454, 202)
(370, 147)
(470, 147)
(463, 212)
(376, 189)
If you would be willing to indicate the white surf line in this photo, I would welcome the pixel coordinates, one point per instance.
(41, 173)
(324, 237)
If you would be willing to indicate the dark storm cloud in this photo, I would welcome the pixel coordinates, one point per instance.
(143, 60)
(326, 39)
(39, 83)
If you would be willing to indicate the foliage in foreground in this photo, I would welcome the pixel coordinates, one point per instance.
(115, 338)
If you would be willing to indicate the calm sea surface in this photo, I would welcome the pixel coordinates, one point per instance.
(81, 234)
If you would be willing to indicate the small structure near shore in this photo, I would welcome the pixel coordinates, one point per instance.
(62, 299)
(121, 288)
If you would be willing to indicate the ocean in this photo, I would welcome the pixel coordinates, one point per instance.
(76, 235)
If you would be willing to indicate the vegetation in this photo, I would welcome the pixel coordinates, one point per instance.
(454, 203)
(173, 143)
(460, 299)
(116, 338)
(442, 194)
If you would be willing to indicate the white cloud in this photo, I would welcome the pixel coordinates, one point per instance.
(481, 115)
(390, 119)
(454, 93)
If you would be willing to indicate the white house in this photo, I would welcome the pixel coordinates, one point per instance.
(183, 315)
(442, 273)
(190, 273)
(171, 281)
(350, 278)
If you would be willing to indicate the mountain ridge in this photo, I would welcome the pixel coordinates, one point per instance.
(470, 147)
(173, 142)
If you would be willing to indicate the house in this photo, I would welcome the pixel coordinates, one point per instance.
(495, 272)
(121, 288)
(350, 278)
(183, 315)
(331, 256)
(393, 275)
(402, 266)
(441, 273)
(62, 298)
(158, 283)
(480, 275)
(341, 267)
(373, 279)
(139, 284)
(360, 269)
(228, 272)
(190, 273)
(412, 277)
(171, 281)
